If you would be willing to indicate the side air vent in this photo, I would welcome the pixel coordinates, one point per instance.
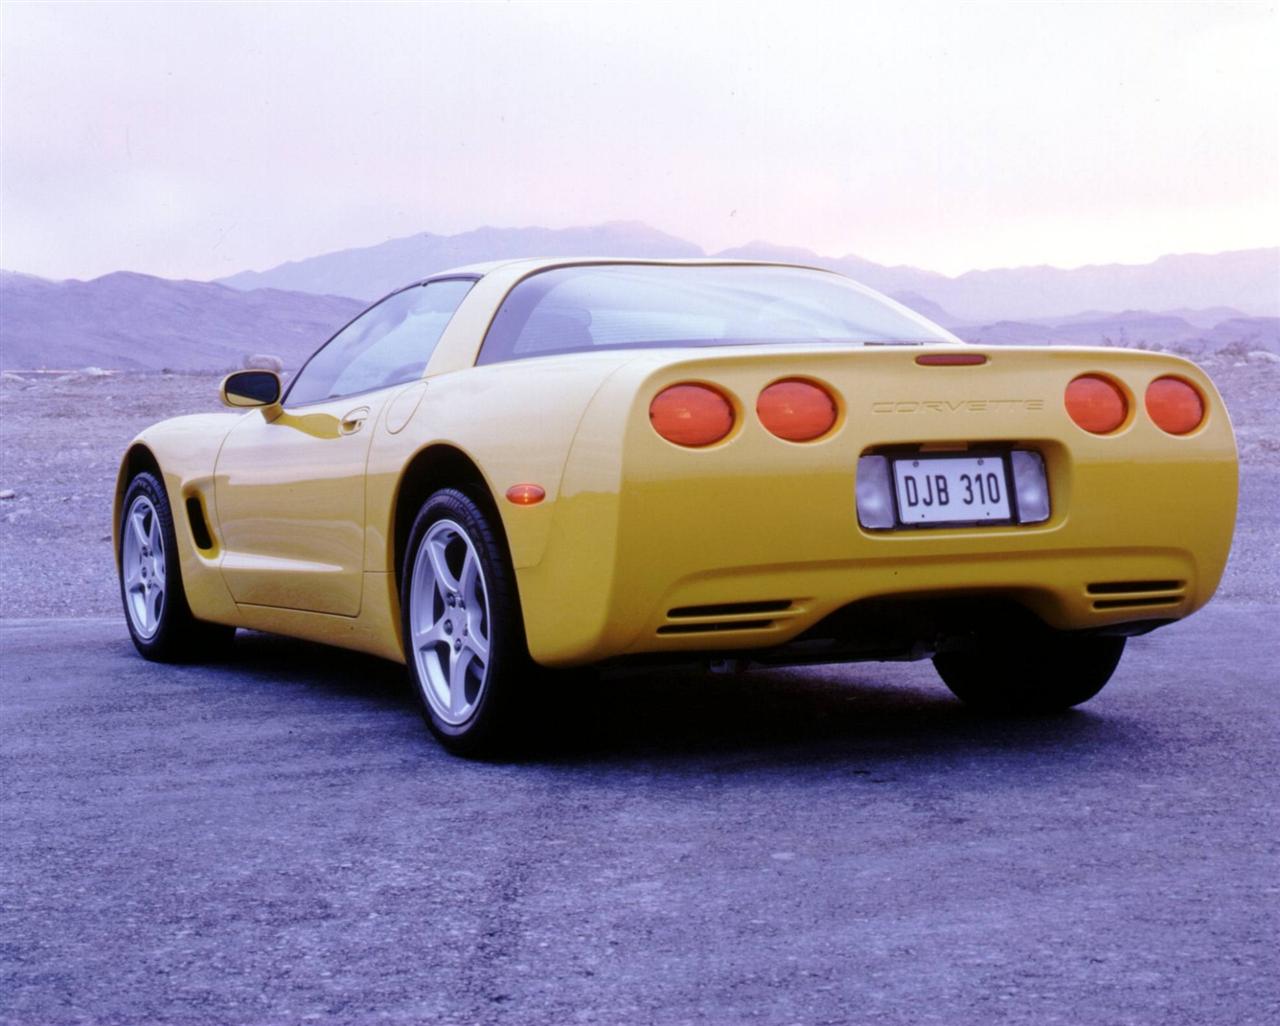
(1167, 600)
(1128, 587)
(714, 628)
(199, 526)
(1137, 594)
(729, 609)
(729, 616)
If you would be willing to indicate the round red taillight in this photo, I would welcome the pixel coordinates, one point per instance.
(1096, 404)
(691, 415)
(1174, 405)
(796, 410)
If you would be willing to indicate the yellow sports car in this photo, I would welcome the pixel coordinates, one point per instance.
(524, 466)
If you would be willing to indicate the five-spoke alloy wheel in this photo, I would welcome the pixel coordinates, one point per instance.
(462, 633)
(142, 566)
(155, 605)
(451, 622)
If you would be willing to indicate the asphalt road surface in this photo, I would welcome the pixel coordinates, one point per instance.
(276, 839)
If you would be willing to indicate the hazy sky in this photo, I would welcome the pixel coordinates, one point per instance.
(193, 140)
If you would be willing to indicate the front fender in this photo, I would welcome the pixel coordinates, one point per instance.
(183, 453)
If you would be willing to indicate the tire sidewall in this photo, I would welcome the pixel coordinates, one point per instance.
(147, 485)
(1051, 674)
(507, 652)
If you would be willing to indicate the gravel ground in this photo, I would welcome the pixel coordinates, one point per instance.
(63, 436)
(274, 839)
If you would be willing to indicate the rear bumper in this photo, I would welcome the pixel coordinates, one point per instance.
(751, 606)
(751, 543)
(1067, 590)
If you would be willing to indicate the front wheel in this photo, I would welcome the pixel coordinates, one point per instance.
(463, 636)
(1047, 673)
(155, 604)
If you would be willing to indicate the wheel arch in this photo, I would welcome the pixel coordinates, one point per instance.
(138, 458)
(437, 466)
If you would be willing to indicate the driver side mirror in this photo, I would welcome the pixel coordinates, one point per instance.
(250, 388)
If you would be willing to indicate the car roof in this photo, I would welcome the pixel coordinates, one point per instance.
(527, 265)
(457, 347)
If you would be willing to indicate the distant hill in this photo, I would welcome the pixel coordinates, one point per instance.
(926, 308)
(137, 321)
(927, 285)
(1196, 304)
(1246, 281)
(1205, 318)
(373, 271)
(1135, 329)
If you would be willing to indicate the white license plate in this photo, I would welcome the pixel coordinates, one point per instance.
(952, 490)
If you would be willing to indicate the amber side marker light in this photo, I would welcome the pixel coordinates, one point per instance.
(1096, 404)
(691, 415)
(1174, 405)
(796, 410)
(526, 494)
(951, 359)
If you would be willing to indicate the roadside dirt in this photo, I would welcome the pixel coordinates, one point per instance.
(62, 435)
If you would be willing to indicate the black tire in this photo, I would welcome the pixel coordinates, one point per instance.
(1048, 672)
(486, 725)
(176, 635)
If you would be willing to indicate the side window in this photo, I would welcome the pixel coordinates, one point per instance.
(384, 346)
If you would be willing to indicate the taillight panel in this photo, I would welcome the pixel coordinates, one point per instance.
(692, 415)
(1097, 404)
(1102, 406)
(1175, 406)
(696, 415)
(797, 410)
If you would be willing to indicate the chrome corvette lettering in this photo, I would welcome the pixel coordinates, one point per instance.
(957, 405)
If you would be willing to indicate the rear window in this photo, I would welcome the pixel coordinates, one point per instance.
(619, 306)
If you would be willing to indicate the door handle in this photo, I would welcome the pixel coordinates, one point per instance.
(354, 420)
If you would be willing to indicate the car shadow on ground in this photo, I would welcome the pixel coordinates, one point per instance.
(863, 713)
(318, 669)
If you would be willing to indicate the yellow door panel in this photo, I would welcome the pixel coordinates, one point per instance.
(290, 506)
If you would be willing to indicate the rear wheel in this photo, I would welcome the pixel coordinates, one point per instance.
(1046, 673)
(464, 640)
(155, 605)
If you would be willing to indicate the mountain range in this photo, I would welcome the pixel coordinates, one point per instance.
(1192, 303)
(372, 271)
(1246, 280)
(139, 322)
